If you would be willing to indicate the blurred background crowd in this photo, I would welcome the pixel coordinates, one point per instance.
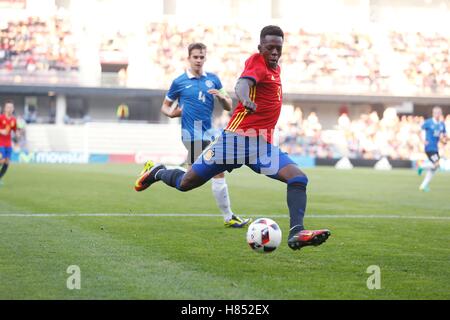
(368, 137)
(395, 60)
(37, 44)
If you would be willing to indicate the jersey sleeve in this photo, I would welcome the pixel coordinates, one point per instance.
(255, 69)
(425, 125)
(174, 91)
(218, 83)
(14, 127)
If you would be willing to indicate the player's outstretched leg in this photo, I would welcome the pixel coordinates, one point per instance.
(296, 198)
(3, 167)
(175, 178)
(220, 191)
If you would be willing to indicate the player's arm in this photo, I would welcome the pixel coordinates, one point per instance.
(444, 136)
(242, 90)
(17, 131)
(171, 109)
(424, 132)
(223, 97)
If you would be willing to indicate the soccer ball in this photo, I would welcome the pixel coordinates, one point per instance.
(264, 235)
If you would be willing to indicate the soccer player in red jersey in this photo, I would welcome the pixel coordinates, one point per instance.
(247, 139)
(8, 123)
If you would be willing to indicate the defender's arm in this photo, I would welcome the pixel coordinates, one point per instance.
(170, 110)
(223, 98)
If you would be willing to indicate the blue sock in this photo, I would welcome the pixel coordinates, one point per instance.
(3, 170)
(170, 177)
(296, 199)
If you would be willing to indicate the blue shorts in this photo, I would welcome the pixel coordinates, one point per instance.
(433, 156)
(230, 151)
(5, 153)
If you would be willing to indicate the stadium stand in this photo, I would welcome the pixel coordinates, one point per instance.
(44, 50)
(426, 58)
(37, 44)
(312, 58)
(369, 137)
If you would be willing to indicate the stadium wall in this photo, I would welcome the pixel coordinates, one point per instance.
(100, 103)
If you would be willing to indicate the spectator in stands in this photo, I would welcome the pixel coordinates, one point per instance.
(68, 120)
(30, 114)
(122, 112)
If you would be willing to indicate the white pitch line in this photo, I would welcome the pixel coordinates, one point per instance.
(200, 215)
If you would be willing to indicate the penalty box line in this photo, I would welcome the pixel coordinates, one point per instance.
(207, 215)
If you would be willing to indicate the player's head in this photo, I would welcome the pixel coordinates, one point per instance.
(437, 113)
(271, 44)
(8, 107)
(197, 56)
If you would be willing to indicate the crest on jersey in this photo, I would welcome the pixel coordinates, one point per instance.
(209, 154)
(209, 83)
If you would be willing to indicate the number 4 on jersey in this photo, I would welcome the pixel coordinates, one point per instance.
(201, 96)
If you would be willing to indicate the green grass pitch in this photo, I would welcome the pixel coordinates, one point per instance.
(376, 218)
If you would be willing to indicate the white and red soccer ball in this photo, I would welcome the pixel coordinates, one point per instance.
(264, 235)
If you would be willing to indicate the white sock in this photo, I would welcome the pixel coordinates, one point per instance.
(427, 166)
(220, 190)
(428, 177)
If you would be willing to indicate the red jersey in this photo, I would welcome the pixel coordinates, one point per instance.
(11, 125)
(266, 94)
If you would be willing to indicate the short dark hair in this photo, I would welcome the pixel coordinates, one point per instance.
(271, 31)
(196, 45)
(8, 101)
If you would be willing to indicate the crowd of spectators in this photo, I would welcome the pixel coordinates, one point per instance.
(332, 58)
(305, 136)
(349, 59)
(427, 58)
(313, 58)
(228, 47)
(37, 44)
(366, 137)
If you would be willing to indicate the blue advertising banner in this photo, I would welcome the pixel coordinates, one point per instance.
(50, 157)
